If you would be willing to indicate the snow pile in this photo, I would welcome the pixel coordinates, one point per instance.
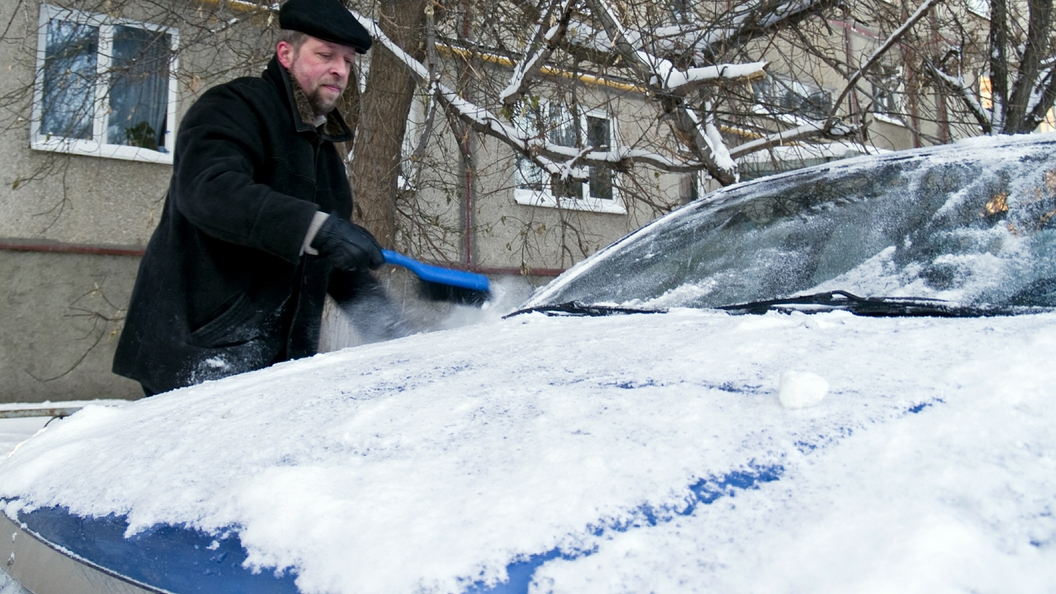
(433, 462)
(801, 389)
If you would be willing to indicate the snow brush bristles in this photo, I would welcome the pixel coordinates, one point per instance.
(444, 284)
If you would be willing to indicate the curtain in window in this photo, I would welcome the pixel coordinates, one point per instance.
(564, 131)
(139, 88)
(69, 80)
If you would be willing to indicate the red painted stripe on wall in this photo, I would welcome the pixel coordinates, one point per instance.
(60, 247)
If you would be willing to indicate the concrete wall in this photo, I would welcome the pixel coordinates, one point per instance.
(60, 323)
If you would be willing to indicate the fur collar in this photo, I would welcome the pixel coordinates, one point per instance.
(330, 126)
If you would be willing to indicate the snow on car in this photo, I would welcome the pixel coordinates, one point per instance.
(628, 429)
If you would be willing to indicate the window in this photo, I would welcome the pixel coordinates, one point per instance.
(104, 87)
(986, 93)
(790, 99)
(887, 101)
(570, 128)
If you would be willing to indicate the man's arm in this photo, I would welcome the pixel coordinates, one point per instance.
(219, 155)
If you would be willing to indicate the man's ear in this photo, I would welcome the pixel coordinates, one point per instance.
(285, 53)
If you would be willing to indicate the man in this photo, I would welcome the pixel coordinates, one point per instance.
(255, 229)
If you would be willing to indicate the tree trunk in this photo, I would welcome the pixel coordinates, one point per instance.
(384, 107)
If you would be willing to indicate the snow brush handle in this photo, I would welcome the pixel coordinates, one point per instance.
(436, 274)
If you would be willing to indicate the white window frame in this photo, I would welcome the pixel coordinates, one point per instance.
(96, 146)
(546, 198)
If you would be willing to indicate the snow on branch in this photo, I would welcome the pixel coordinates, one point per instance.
(677, 81)
(568, 163)
(534, 60)
(1043, 86)
(808, 130)
(702, 139)
(965, 93)
(750, 19)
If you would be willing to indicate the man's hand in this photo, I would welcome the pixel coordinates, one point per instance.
(347, 245)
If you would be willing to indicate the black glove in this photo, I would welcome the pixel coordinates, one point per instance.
(347, 245)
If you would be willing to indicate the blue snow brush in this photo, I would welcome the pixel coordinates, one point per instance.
(444, 284)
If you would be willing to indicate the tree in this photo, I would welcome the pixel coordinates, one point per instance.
(1003, 81)
(694, 67)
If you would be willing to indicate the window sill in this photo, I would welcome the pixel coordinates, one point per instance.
(547, 200)
(785, 118)
(883, 117)
(106, 151)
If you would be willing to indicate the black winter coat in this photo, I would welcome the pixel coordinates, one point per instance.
(223, 287)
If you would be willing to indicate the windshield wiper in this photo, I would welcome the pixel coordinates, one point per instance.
(869, 306)
(814, 303)
(577, 308)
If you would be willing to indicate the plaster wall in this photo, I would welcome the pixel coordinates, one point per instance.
(61, 315)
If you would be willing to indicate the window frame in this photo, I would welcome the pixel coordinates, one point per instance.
(585, 202)
(97, 146)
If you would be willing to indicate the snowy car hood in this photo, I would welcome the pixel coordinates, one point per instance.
(621, 453)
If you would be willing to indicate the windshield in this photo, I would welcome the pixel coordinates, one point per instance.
(971, 223)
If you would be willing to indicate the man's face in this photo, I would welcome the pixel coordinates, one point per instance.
(321, 68)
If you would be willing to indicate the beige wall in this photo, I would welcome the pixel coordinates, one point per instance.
(58, 325)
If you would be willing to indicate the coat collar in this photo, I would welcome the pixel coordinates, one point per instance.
(334, 129)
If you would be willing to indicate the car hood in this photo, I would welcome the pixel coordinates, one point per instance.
(653, 452)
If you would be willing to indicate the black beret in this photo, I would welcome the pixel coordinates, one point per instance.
(326, 19)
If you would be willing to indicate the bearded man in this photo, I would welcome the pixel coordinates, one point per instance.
(256, 225)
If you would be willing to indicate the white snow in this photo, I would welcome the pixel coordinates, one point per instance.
(801, 389)
(432, 462)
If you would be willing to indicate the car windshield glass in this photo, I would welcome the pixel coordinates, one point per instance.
(972, 224)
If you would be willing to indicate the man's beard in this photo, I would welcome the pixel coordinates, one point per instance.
(320, 104)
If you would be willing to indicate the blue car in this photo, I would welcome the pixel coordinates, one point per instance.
(837, 379)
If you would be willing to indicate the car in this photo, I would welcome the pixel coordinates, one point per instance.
(837, 379)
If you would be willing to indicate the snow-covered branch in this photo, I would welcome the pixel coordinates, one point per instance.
(682, 81)
(963, 91)
(748, 20)
(1045, 94)
(557, 160)
(802, 132)
(707, 145)
(538, 52)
